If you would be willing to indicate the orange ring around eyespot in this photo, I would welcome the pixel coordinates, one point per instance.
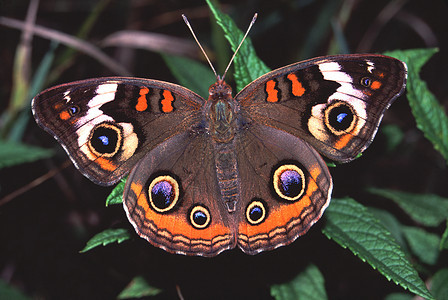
(174, 185)
(117, 146)
(203, 210)
(276, 179)
(263, 209)
(327, 117)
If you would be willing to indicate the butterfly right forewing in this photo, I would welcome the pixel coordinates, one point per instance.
(335, 103)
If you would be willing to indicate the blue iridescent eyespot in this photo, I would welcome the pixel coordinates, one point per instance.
(105, 139)
(73, 110)
(163, 193)
(256, 212)
(289, 182)
(199, 217)
(340, 118)
(366, 81)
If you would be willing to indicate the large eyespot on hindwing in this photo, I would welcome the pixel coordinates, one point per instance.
(340, 117)
(288, 181)
(256, 211)
(105, 139)
(199, 216)
(163, 193)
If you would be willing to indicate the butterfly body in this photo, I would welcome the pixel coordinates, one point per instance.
(210, 175)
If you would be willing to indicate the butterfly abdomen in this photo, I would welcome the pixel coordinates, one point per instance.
(227, 174)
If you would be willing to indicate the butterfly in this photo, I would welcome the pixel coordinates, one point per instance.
(210, 175)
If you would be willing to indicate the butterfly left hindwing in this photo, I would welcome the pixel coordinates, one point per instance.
(172, 198)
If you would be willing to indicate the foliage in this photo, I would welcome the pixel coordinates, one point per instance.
(107, 237)
(308, 285)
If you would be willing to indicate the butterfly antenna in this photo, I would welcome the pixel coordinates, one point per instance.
(199, 44)
(244, 37)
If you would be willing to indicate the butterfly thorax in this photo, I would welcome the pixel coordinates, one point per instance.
(220, 111)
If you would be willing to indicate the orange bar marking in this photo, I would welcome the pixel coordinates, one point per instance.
(375, 85)
(105, 164)
(297, 87)
(272, 92)
(142, 104)
(64, 115)
(343, 141)
(167, 101)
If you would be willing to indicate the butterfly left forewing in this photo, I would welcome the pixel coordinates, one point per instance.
(335, 103)
(107, 124)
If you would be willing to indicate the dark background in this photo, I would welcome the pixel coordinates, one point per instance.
(43, 230)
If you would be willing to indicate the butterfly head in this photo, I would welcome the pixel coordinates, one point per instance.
(219, 91)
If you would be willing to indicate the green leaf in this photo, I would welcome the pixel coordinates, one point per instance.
(41, 73)
(191, 74)
(248, 66)
(11, 293)
(439, 286)
(15, 153)
(394, 136)
(138, 288)
(308, 285)
(391, 223)
(319, 30)
(444, 239)
(427, 209)
(106, 237)
(351, 225)
(423, 244)
(19, 124)
(116, 196)
(399, 296)
(429, 114)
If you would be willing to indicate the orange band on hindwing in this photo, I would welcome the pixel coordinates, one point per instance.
(297, 88)
(281, 218)
(172, 230)
(271, 91)
(166, 104)
(142, 103)
(162, 222)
